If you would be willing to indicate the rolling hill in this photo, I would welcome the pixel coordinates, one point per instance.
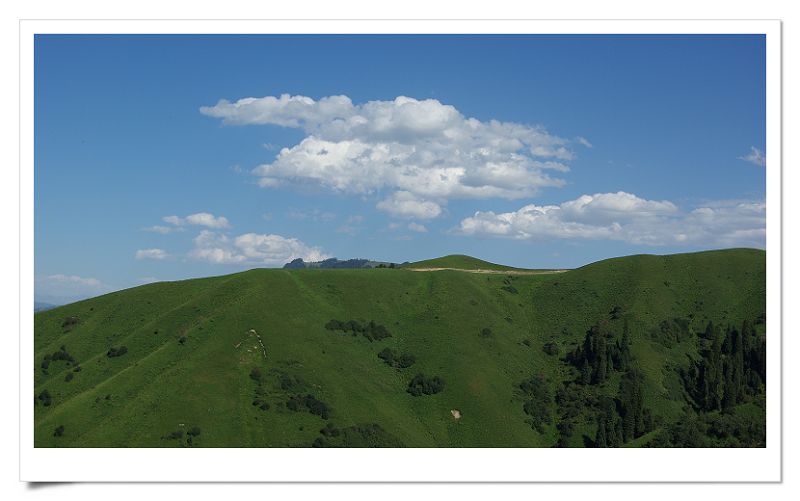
(391, 357)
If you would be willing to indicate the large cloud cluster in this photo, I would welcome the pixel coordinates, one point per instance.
(415, 148)
(626, 217)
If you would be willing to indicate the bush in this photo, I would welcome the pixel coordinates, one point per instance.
(310, 403)
(59, 431)
(194, 431)
(551, 348)
(486, 332)
(422, 385)
(69, 323)
(398, 361)
(117, 352)
(45, 398)
(69, 377)
(175, 435)
(255, 374)
(182, 340)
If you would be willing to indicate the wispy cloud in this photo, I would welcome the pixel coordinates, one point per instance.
(157, 254)
(755, 157)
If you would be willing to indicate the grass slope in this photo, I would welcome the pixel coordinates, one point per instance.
(459, 262)
(192, 346)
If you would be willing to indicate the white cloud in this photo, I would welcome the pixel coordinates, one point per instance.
(161, 229)
(626, 217)
(151, 254)
(199, 219)
(74, 279)
(422, 147)
(419, 228)
(755, 157)
(408, 205)
(252, 249)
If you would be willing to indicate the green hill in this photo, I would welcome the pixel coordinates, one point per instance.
(390, 357)
(459, 262)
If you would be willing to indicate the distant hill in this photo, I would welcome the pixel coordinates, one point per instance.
(39, 306)
(460, 262)
(333, 263)
(664, 351)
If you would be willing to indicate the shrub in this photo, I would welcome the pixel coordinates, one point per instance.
(551, 348)
(69, 377)
(116, 352)
(255, 374)
(422, 385)
(194, 431)
(69, 323)
(486, 332)
(45, 398)
(59, 431)
(330, 431)
(398, 361)
(175, 435)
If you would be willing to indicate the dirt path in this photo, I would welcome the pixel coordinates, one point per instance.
(494, 272)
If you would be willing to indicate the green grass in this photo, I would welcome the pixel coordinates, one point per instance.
(460, 262)
(160, 385)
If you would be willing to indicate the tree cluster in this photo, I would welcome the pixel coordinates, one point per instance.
(116, 352)
(309, 403)
(733, 367)
(600, 354)
(397, 360)
(538, 402)
(423, 385)
(371, 330)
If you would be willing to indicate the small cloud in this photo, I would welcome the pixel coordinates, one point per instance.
(161, 229)
(74, 279)
(151, 254)
(755, 157)
(417, 227)
(199, 219)
(585, 142)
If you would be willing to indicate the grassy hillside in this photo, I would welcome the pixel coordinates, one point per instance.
(460, 262)
(246, 359)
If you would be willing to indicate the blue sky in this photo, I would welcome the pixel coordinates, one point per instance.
(151, 163)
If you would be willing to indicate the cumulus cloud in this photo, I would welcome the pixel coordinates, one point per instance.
(755, 157)
(419, 228)
(252, 249)
(199, 219)
(422, 147)
(151, 254)
(408, 205)
(626, 217)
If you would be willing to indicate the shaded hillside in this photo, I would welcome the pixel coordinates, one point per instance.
(390, 357)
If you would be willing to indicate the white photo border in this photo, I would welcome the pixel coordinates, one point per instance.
(392, 465)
